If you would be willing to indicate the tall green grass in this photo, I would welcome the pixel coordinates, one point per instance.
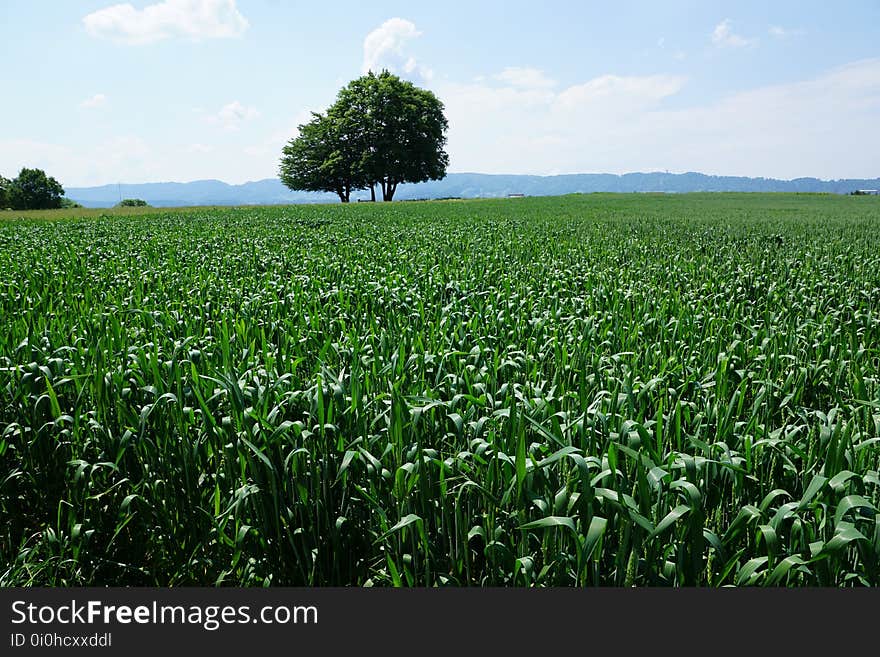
(573, 391)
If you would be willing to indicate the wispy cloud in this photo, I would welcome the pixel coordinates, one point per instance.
(232, 115)
(785, 32)
(191, 19)
(98, 100)
(677, 54)
(198, 148)
(98, 163)
(724, 36)
(526, 78)
(271, 146)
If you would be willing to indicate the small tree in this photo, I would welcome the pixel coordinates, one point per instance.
(33, 190)
(132, 203)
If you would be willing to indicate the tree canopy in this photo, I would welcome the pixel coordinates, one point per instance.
(33, 190)
(321, 159)
(380, 131)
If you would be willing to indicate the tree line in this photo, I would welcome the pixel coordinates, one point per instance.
(381, 131)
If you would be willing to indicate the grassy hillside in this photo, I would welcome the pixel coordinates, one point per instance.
(583, 390)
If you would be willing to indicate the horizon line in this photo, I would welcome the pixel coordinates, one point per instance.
(479, 173)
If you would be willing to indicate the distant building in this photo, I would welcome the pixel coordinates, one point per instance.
(515, 195)
(867, 192)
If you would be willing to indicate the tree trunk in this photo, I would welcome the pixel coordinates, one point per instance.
(390, 188)
(373, 192)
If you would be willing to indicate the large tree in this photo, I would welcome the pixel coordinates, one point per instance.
(322, 159)
(34, 190)
(399, 128)
(380, 131)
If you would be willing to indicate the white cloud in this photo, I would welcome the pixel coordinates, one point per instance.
(526, 78)
(723, 36)
(122, 157)
(98, 100)
(135, 159)
(619, 124)
(784, 32)
(385, 48)
(191, 19)
(677, 54)
(232, 115)
(199, 148)
(18, 153)
(272, 145)
(516, 129)
(619, 93)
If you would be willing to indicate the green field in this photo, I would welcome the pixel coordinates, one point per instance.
(576, 391)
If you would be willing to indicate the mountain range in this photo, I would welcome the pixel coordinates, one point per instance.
(456, 185)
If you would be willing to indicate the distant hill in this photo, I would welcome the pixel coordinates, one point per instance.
(464, 185)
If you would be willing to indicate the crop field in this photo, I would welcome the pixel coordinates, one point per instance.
(588, 390)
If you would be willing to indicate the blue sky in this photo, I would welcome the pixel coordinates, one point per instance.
(97, 92)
